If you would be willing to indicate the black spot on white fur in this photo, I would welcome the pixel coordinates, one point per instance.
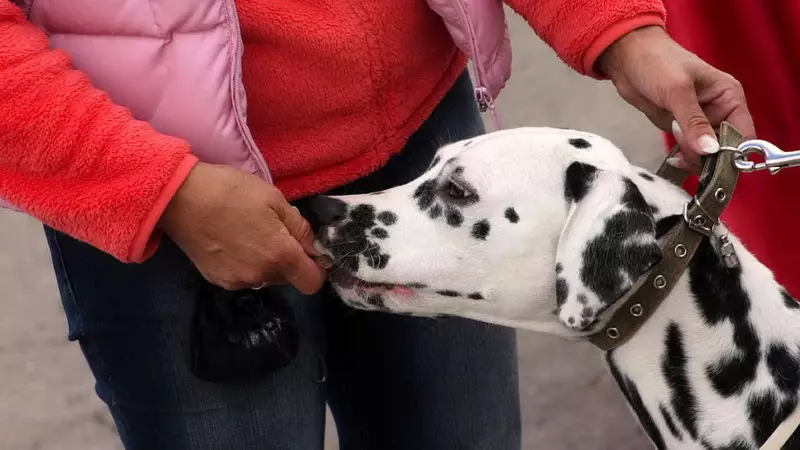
(438, 200)
(766, 411)
(435, 211)
(377, 301)
(375, 259)
(670, 423)
(664, 225)
(611, 262)
(631, 393)
(351, 239)
(578, 178)
(646, 176)
(562, 291)
(720, 297)
(784, 367)
(363, 216)
(475, 296)
(387, 218)
(789, 301)
(453, 216)
(449, 293)
(480, 229)
(579, 143)
(425, 194)
(511, 215)
(675, 371)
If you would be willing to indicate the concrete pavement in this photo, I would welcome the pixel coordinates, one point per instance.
(569, 401)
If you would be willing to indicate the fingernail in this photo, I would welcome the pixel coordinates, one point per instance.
(676, 130)
(318, 247)
(708, 144)
(676, 162)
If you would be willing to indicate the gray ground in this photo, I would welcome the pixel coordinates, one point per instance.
(47, 400)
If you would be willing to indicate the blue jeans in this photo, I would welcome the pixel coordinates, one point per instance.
(393, 382)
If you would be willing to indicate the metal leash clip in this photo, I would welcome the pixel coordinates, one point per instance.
(775, 159)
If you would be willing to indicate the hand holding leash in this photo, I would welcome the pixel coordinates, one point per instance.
(677, 91)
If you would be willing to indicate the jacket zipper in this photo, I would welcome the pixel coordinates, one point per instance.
(237, 73)
(482, 96)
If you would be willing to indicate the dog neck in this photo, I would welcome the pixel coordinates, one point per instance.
(717, 366)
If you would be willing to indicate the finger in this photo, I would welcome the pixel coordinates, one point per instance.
(324, 262)
(298, 227)
(658, 116)
(679, 162)
(741, 119)
(301, 271)
(249, 282)
(725, 100)
(686, 154)
(683, 104)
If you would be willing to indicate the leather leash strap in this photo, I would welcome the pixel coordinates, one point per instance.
(717, 182)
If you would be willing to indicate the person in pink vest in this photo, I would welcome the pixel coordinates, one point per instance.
(161, 143)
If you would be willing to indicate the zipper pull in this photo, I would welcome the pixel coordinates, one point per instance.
(483, 98)
(486, 103)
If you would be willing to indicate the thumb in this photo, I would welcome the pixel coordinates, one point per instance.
(696, 129)
(302, 272)
(298, 227)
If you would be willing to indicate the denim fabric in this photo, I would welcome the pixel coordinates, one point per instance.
(393, 382)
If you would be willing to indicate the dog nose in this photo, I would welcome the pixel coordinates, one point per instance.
(321, 211)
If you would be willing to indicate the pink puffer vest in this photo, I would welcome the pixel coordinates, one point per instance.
(164, 58)
(478, 28)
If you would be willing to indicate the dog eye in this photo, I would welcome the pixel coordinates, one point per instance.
(457, 190)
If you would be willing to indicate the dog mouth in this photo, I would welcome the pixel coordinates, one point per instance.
(345, 279)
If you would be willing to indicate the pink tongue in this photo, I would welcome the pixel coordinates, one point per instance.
(402, 290)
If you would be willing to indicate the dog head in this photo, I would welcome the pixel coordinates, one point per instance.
(536, 228)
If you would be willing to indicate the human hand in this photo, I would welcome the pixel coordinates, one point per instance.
(240, 232)
(677, 91)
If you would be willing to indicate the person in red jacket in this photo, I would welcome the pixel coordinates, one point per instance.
(758, 43)
(93, 174)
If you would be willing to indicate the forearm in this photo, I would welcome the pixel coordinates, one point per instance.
(72, 158)
(580, 30)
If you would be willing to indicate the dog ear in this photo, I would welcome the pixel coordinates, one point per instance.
(608, 242)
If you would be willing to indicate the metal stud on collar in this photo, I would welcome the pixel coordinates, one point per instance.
(637, 310)
(659, 282)
(720, 195)
(680, 250)
(612, 332)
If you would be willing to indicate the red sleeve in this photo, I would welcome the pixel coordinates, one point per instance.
(73, 159)
(579, 30)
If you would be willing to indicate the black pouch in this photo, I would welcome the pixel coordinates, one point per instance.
(242, 335)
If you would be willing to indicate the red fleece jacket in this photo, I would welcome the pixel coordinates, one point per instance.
(758, 43)
(81, 164)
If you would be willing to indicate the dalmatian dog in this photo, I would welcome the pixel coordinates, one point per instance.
(543, 229)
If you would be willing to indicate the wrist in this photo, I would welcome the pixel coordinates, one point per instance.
(611, 60)
(184, 198)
